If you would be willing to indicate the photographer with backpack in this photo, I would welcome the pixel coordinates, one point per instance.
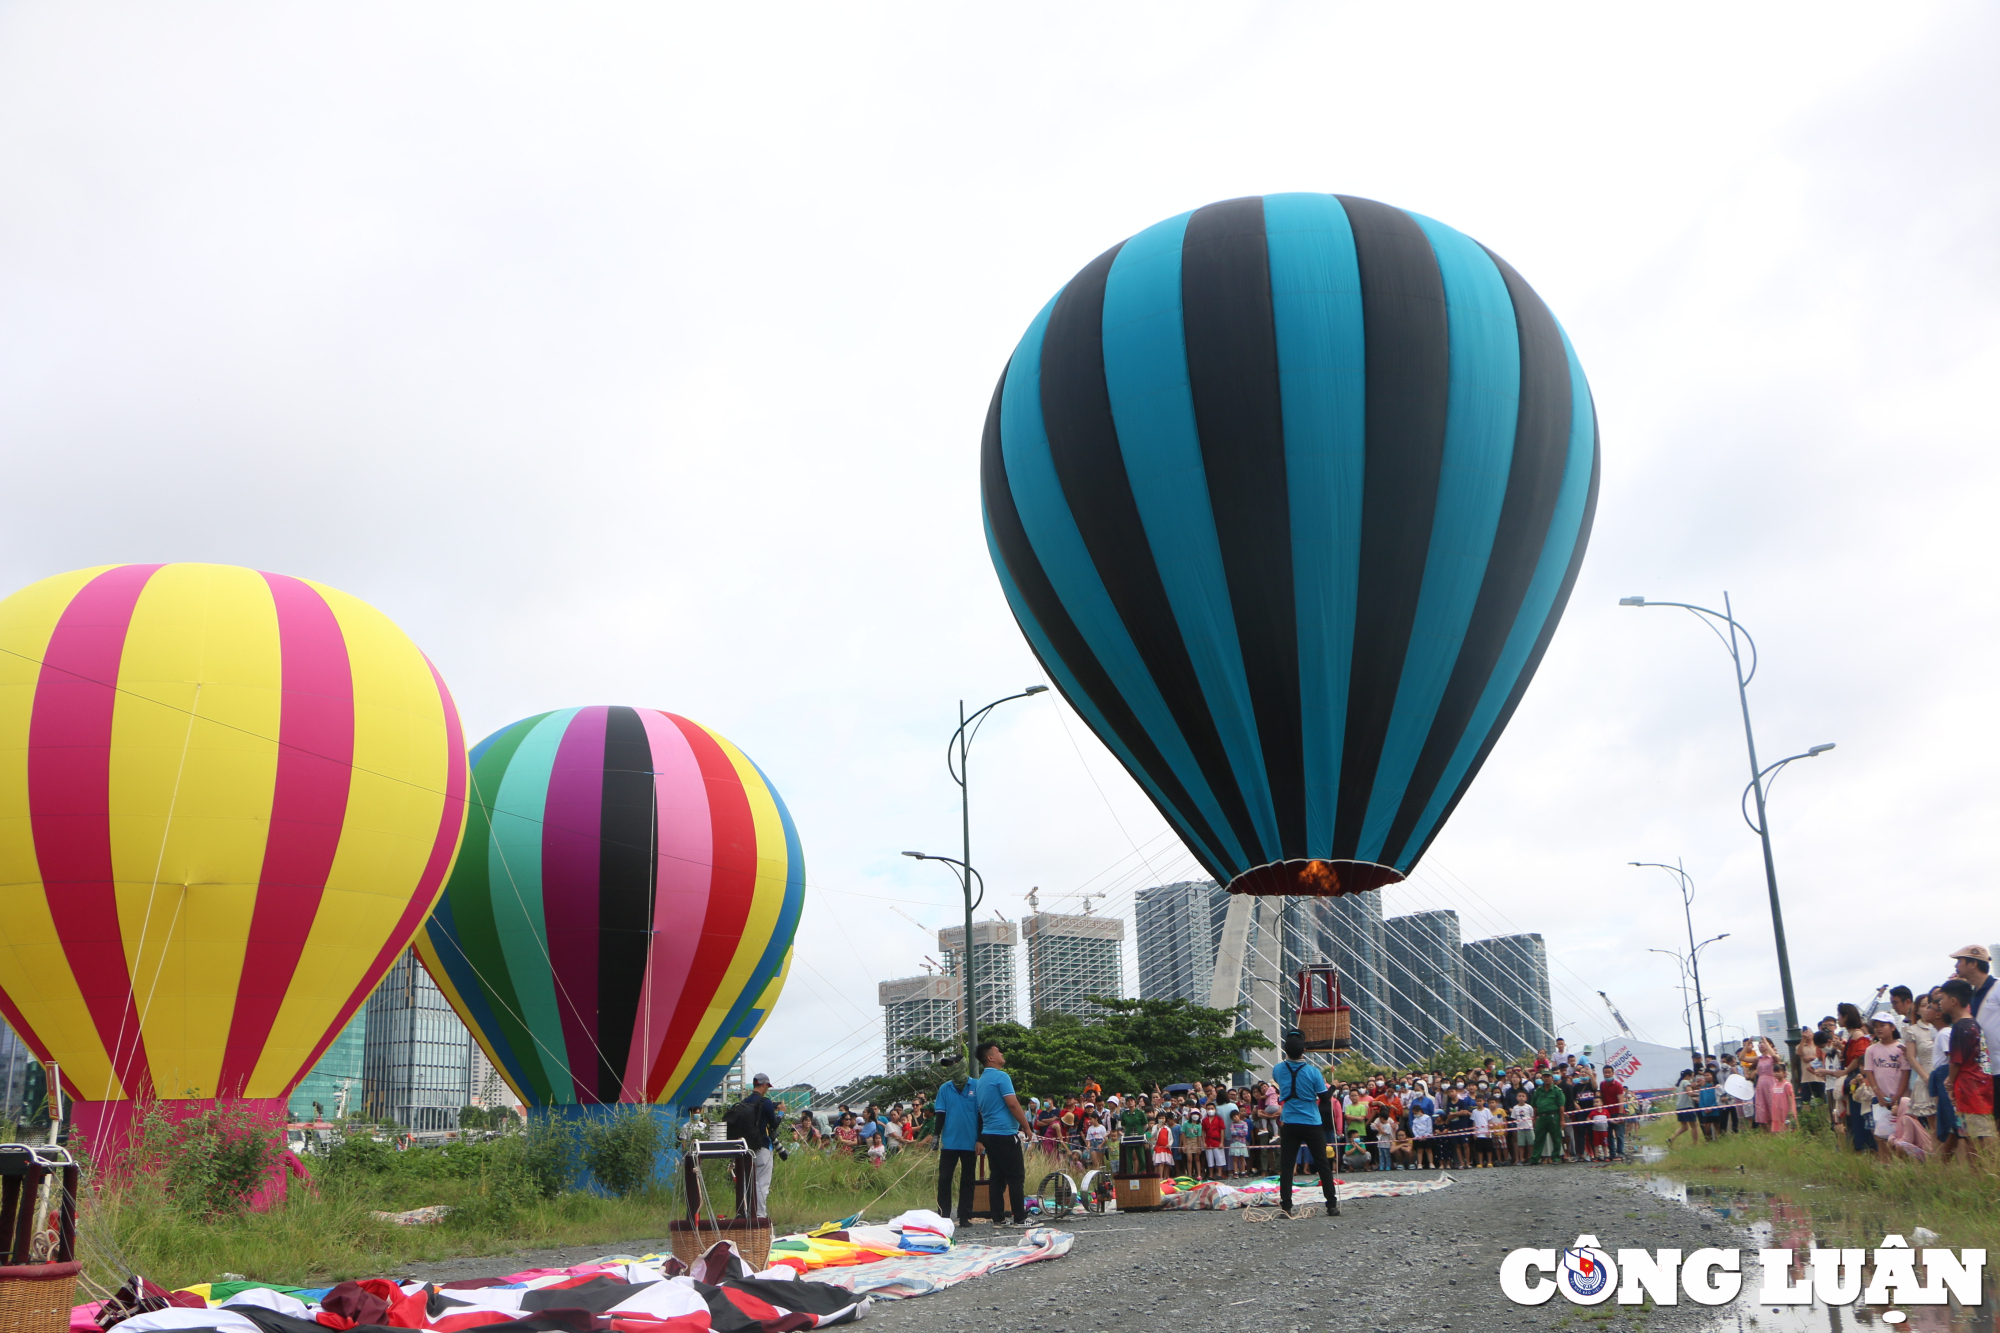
(755, 1120)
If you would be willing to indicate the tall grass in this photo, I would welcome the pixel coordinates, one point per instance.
(324, 1235)
(1853, 1197)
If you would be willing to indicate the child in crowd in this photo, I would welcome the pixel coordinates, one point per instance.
(1239, 1146)
(1482, 1135)
(1187, 1129)
(1522, 1117)
(1217, 1157)
(1420, 1131)
(1163, 1142)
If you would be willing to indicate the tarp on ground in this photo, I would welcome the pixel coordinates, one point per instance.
(1263, 1193)
(621, 1293)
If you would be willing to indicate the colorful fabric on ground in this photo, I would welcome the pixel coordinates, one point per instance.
(717, 1295)
(917, 1275)
(620, 921)
(1263, 1193)
(227, 800)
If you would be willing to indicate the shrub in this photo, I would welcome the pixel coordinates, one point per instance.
(210, 1163)
(548, 1149)
(621, 1151)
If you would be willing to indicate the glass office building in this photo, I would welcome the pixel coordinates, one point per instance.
(416, 1059)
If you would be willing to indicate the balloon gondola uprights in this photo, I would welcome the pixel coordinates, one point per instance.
(1287, 495)
(1323, 1017)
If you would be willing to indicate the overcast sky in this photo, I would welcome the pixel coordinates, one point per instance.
(639, 354)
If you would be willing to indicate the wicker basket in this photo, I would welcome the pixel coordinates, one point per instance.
(1325, 1031)
(36, 1298)
(691, 1240)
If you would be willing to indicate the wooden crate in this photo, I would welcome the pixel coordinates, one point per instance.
(1136, 1193)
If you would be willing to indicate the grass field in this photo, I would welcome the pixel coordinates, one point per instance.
(325, 1237)
(1853, 1198)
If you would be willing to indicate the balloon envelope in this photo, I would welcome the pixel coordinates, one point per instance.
(619, 923)
(1288, 494)
(227, 800)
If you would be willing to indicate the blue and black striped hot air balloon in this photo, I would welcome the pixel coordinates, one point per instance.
(1288, 494)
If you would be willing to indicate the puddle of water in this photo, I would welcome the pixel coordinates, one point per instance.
(1778, 1223)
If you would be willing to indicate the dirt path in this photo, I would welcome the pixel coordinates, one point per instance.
(1431, 1258)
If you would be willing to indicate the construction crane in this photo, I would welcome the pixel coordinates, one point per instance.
(1617, 1017)
(1089, 898)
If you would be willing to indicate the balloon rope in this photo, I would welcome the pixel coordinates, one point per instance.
(159, 862)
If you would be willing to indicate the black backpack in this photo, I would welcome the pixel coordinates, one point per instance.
(742, 1121)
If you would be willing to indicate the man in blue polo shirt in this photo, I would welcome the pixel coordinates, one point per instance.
(1003, 1128)
(1300, 1084)
(957, 1112)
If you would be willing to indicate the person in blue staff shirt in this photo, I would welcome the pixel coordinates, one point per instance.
(1003, 1128)
(1300, 1086)
(956, 1118)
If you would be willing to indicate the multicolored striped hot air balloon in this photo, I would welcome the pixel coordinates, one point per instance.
(621, 919)
(1288, 494)
(227, 800)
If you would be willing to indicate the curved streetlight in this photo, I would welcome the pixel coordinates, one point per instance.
(956, 754)
(1771, 774)
(965, 875)
(1692, 963)
(1692, 1049)
(1727, 616)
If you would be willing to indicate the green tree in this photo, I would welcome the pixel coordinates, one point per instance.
(1451, 1056)
(1355, 1067)
(1178, 1041)
(1130, 1046)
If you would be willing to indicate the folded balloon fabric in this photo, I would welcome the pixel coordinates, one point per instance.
(616, 1294)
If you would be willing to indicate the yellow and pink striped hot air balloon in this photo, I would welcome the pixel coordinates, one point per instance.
(227, 801)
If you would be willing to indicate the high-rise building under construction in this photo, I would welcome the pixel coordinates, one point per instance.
(930, 1007)
(1073, 958)
(993, 967)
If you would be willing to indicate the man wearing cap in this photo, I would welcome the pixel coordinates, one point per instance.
(763, 1126)
(1974, 966)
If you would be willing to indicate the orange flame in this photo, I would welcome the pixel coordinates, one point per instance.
(1322, 877)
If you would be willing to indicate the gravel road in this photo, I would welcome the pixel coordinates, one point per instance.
(1432, 1259)
(1382, 1264)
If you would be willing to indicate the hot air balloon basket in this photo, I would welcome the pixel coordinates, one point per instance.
(691, 1240)
(37, 1298)
(1326, 1032)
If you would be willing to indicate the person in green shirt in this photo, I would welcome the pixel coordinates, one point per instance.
(1135, 1154)
(1548, 1101)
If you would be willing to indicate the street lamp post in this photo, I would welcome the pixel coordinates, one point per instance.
(966, 875)
(1693, 960)
(1727, 616)
(956, 754)
(1686, 1013)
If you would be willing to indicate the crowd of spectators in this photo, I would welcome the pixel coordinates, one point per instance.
(1912, 1076)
